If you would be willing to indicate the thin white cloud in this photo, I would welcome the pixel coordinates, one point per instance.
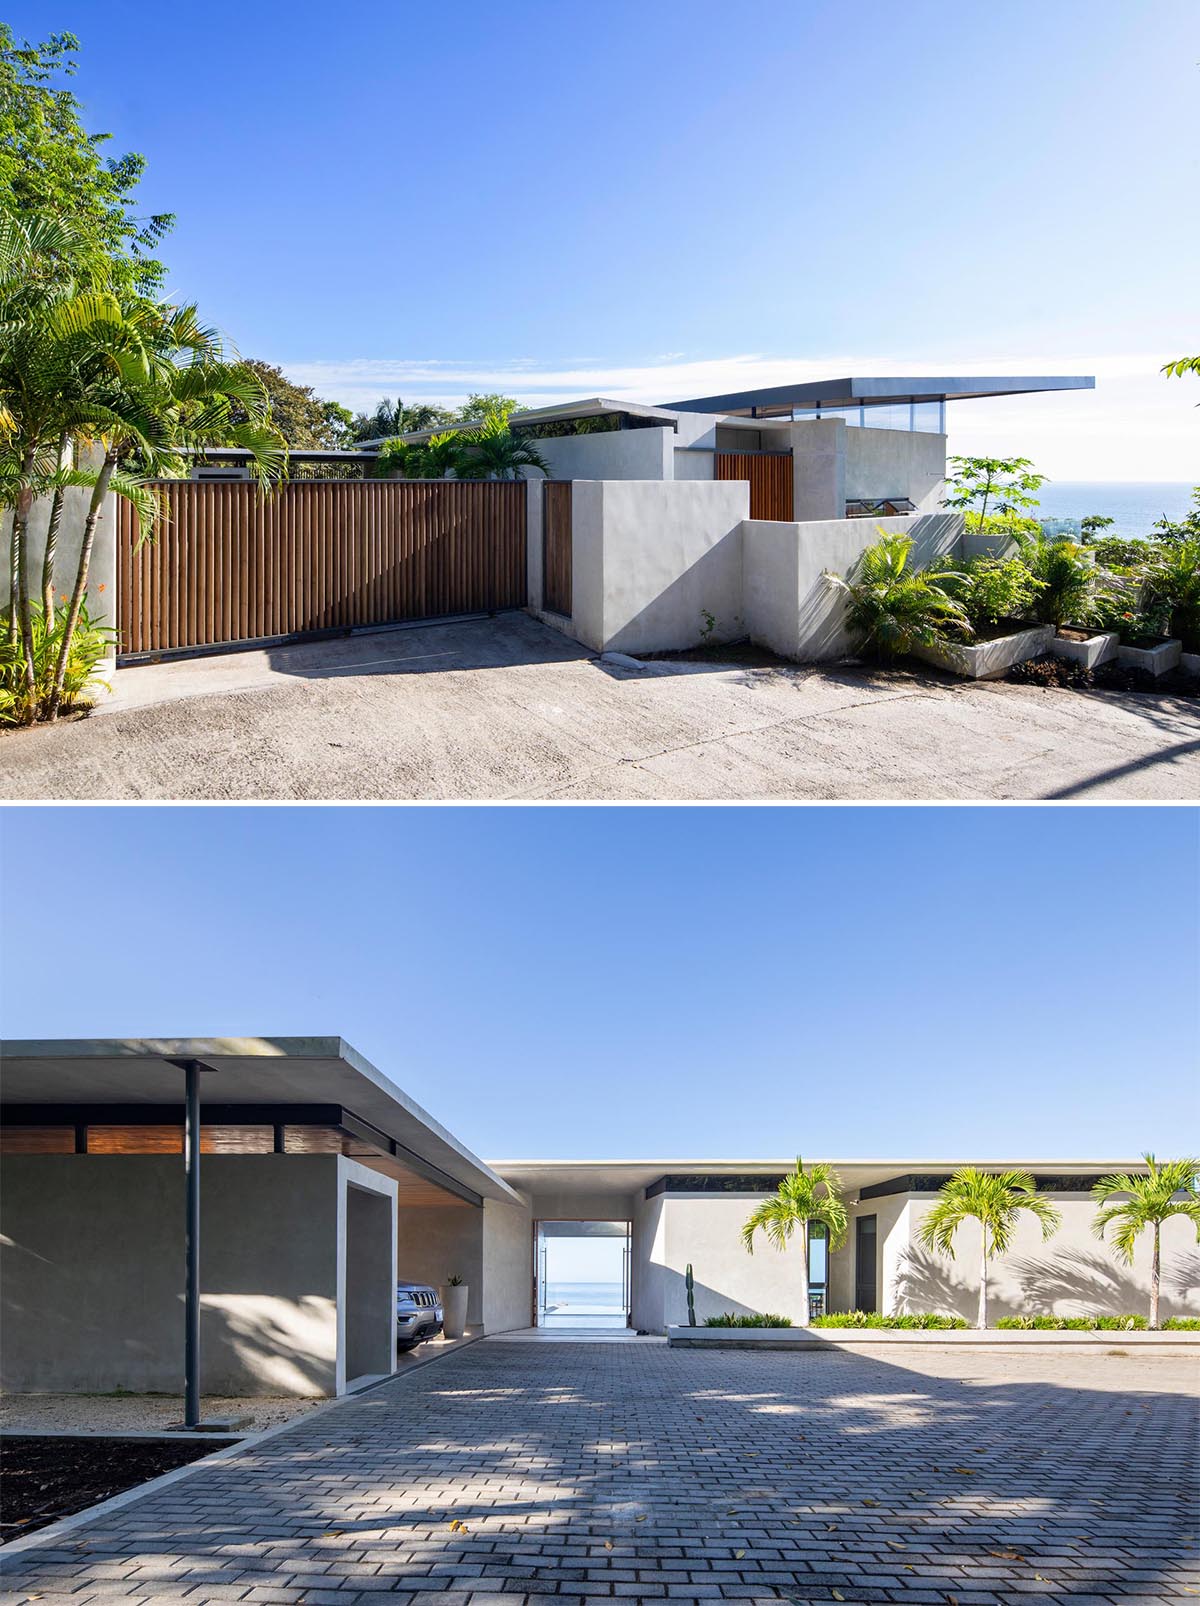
(1136, 425)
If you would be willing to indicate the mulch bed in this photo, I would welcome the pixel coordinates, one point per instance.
(42, 1479)
(1061, 673)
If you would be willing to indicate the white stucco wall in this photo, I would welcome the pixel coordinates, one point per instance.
(896, 462)
(615, 454)
(435, 1243)
(706, 1231)
(819, 468)
(649, 558)
(1074, 1274)
(366, 1273)
(789, 605)
(507, 1266)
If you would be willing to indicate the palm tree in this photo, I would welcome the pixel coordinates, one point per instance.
(495, 453)
(892, 608)
(803, 1197)
(1169, 1189)
(995, 1200)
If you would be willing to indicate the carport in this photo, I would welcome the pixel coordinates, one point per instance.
(217, 1215)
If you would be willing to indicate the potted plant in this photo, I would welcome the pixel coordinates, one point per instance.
(454, 1307)
(1173, 579)
(894, 608)
(996, 594)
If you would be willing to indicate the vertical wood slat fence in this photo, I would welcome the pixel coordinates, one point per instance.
(770, 476)
(556, 546)
(226, 564)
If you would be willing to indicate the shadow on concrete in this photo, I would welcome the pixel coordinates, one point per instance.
(526, 1469)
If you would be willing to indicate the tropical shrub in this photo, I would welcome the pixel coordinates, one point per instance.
(1115, 552)
(494, 452)
(892, 608)
(1181, 1324)
(997, 588)
(90, 644)
(918, 1320)
(765, 1320)
(1173, 579)
(803, 1197)
(1072, 1324)
(1185, 529)
(1066, 574)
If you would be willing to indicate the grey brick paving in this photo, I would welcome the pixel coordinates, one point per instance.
(510, 1474)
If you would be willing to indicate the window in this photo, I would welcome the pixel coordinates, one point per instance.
(818, 1268)
(865, 1262)
(891, 415)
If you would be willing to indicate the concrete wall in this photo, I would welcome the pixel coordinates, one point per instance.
(650, 557)
(614, 454)
(650, 1273)
(1072, 1275)
(102, 571)
(507, 1266)
(789, 606)
(93, 1274)
(435, 1243)
(819, 468)
(367, 1280)
(896, 462)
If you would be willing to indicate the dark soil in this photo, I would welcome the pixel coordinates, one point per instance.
(741, 654)
(1050, 672)
(42, 1479)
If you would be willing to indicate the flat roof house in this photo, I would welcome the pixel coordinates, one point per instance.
(320, 1183)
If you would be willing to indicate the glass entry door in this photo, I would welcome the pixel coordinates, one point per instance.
(582, 1274)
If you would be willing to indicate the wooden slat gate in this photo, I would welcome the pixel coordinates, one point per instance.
(770, 476)
(556, 546)
(226, 564)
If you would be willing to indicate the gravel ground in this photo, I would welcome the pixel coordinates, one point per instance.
(507, 708)
(134, 1413)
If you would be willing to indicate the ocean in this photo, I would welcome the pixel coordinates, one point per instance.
(1134, 505)
(585, 1299)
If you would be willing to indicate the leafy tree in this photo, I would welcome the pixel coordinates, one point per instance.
(893, 608)
(1181, 366)
(1008, 482)
(804, 1196)
(440, 455)
(305, 420)
(488, 405)
(494, 452)
(51, 167)
(995, 1200)
(1185, 529)
(393, 418)
(1171, 1188)
(1092, 523)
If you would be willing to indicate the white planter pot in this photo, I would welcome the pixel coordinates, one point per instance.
(1095, 650)
(1189, 662)
(454, 1310)
(987, 659)
(1156, 659)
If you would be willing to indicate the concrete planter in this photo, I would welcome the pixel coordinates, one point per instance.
(986, 659)
(454, 1310)
(1097, 649)
(1189, 662)
(1158, 659)
(814, 1338)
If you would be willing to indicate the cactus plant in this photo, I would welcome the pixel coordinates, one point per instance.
(691, 1295)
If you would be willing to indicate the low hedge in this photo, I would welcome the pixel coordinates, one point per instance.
(1182, 1324)
(873, 1318)
(730, 1320)
(1074, 1324)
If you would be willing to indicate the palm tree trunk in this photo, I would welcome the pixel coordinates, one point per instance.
(981, 1321)
(95, 509)
(56, 510)
(19, 584)
(804, 1273)
(14, 563)
(1154, 1275)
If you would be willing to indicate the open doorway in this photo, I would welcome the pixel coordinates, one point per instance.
(582, 1274)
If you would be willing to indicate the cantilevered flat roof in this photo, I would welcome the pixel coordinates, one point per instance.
(246, 1071)
(591, 407)
(857, 392)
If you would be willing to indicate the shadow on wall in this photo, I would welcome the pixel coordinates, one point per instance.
(255, 1344)
(708, 1301)
(677, 617)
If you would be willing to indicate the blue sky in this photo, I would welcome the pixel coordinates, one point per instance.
(676, 983)
(677, 198)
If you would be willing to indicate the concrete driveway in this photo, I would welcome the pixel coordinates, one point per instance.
(509, 1474)
(507, 708)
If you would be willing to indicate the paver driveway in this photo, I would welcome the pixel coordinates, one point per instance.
(508, 1472)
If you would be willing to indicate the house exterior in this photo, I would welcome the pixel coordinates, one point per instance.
(321, 1183)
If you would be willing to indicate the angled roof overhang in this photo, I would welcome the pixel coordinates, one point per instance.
(590, 407)
(860, 392)
(254, 1072)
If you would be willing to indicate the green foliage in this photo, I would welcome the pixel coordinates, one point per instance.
(1072, 1324)
(997, 588)
(1009, 484)
(393, 418)
(804, 1197)
(1117, 552)
(90, 644)
(893, 608)
(919, 1320)
(1066, 575)
(1092, 523)
(51, 167)
(1181, 1324)
(304, 419)
(491, 404)
(494, 452)
(1181, 366)
(996, 1200)
(1185, 529)
(1173, 579)
(1130, 1204)
(730, 1320)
